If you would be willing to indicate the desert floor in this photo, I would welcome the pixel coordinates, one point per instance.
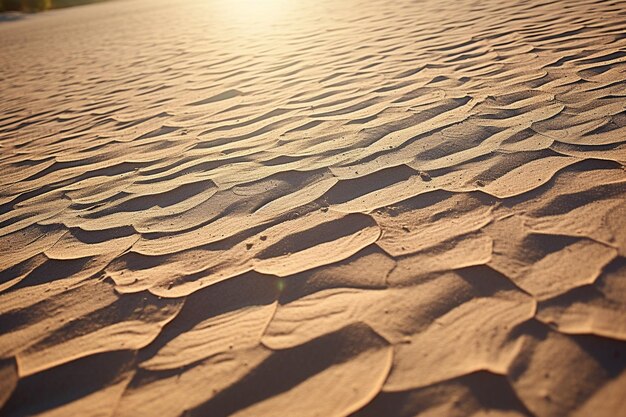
(314, 208)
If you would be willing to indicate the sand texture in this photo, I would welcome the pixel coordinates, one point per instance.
(314, 208)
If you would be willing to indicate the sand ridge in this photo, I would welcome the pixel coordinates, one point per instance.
(359, 208)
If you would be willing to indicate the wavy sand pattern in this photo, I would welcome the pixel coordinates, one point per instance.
(359, 208)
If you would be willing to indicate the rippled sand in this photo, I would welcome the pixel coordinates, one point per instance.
(314, 208)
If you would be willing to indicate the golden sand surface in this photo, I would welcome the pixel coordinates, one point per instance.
(314, 208)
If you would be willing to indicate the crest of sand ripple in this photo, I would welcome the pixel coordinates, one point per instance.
(358, 208)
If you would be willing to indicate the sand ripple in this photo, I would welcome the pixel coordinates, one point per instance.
(362, 208)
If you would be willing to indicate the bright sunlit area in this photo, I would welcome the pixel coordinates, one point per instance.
(252, 16)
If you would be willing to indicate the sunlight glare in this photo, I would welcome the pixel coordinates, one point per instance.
(253, 15)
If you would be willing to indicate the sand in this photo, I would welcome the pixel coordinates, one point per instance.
(314, 208)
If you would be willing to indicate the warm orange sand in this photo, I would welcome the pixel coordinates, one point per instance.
(314, 208)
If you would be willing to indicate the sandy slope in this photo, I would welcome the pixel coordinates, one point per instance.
(356, 208)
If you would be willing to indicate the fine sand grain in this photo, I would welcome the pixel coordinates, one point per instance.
(314, 208)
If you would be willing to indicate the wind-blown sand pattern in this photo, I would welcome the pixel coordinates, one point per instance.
(358, 208)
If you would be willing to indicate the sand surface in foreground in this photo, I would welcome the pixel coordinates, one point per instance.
(314, 208)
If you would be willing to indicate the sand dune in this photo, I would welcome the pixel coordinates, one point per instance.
(314, 208)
